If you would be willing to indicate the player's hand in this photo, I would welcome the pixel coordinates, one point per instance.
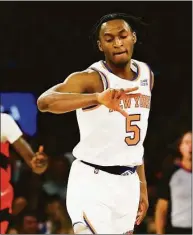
(111, 98)
(143, 207)
(39, 162)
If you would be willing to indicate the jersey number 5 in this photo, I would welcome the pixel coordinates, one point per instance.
(132, 128)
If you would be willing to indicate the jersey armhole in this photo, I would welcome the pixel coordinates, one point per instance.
(105, 87)
(103, 78)
(151, 78)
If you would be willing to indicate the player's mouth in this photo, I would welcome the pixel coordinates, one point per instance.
(120, 53)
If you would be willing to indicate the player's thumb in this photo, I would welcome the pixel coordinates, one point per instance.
(41, 149)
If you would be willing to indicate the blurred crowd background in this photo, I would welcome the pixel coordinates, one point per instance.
(41, 43)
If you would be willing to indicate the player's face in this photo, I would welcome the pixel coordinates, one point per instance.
(117, 41)
(186, 146)
(30, 225)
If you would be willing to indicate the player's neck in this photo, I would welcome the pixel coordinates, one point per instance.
(124, 72)
(187, 164)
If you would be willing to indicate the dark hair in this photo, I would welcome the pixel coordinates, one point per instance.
(179, 141)
(174, 147)
(31, 213)
(53, 198)
(133, 22)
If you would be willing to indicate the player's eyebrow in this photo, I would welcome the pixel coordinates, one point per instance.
(122, 31)
(109, 34)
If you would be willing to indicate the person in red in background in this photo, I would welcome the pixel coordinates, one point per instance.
(11, 134)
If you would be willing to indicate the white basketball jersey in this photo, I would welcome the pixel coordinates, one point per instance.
(107, 138)
(10, 132)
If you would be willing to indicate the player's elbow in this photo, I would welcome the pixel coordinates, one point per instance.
(161, 210)
(43, 104)
(162, 205)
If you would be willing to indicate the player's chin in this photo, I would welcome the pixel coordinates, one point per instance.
(120, 60)
(121, 63)
(39, 171)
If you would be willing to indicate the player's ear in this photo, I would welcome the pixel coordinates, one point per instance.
(99, 46)
(134, 37)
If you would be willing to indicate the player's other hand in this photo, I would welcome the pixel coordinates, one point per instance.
(39, 162)
(143, 207)
(111, 98)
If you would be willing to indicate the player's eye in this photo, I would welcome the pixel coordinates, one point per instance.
(123, 36)
(109, 39)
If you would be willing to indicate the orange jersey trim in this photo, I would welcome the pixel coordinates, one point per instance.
(88, 223)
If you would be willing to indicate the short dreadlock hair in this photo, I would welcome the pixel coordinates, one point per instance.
(133, 22)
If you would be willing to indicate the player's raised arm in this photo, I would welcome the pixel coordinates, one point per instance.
(13, 134)
(77, 91)
(37, 161)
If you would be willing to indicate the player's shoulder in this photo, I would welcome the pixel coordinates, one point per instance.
(86, 76)
(136, 61)
(88, 80)
(7, 121)
(140, 63)
(6, 118)
(97, 64)
(143, 66)
(86, 73)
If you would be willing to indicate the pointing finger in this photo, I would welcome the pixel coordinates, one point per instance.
(41, 149)
(123, 112)
(119, 94)
(131, 89)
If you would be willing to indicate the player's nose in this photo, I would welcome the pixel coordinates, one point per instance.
(118, 42)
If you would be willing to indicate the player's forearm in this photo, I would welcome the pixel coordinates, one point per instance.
(160, 221)
(24, 149)
(141, 173)
(57, 102)
(142, 178)
(161, 212)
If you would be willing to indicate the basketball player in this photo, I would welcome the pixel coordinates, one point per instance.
(107, 191)
(11, 134)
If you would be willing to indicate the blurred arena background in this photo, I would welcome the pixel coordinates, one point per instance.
(43, 42)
